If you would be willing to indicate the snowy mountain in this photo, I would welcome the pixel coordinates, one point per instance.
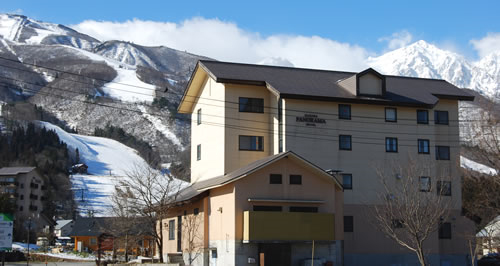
(425, 60)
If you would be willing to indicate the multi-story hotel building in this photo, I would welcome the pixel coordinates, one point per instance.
(337, 122)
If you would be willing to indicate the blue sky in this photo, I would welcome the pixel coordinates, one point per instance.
(448, 24)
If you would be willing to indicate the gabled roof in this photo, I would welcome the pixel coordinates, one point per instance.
(323, 85)
(16, 170)
(199, 187)
(61, 223)
(95, 226)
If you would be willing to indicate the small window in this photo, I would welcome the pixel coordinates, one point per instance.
(251, 105)
(251, 143)
(441, 117)
(348, 224)
(345, 142)
(21, 208)
(391, 144)
(198, 152)
(442, 152)
(422, 117)
(425, 183)
(196, 211)
(214, 253)
(93, 241)
(443, 188)
(344, 111)
(21, 197)
(445, 231)
(423, 146)
(295, 180)
(199, 117)
(397, 223)
(171, 230)
(347, 181)
(303, 209)
(391, 115)
(275, 179)
(22, 185)
(259, 208)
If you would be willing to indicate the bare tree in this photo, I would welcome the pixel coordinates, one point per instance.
(411, 208)
(150, 195)
(194, 240)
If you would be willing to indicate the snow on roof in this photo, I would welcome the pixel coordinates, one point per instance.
(61, 223)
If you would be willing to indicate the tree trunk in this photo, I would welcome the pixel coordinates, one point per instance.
(126, 247)
(160, 245)
(421, 256)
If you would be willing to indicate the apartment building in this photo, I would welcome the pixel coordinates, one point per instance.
(26, 189)
(353, 124)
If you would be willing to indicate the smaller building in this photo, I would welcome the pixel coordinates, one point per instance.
(63, 228)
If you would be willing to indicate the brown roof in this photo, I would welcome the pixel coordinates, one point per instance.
(16, 170)
(317, 84)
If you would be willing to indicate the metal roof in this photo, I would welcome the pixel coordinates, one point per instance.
(16, 170)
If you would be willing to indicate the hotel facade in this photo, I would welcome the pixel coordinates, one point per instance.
(301, 148)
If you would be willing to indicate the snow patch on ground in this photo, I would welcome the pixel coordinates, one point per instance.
(474, 166)
(160, 126)
(69, 256)
(23, 246)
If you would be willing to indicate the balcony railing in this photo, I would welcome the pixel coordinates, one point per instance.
(288, 226)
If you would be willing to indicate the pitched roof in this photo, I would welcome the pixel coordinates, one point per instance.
(94, 226)
(323, 85)
(16, 170)
(199, 187)
(61, 223)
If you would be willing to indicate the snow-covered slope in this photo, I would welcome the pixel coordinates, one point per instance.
(477, 167)
(108, 162)
(425, 60)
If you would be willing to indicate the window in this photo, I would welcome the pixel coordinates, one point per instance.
(444, 188)
(21, 208)
(423, 146)
(303, 209)
(344, 111)
(22, 185)
(441, 117)
(171, 230)
(348, 224)
(198, 119)
(251, 105)
(347, 181)
(21, 197)
(196, 211)
(391, 115)
(445, 231)
(425, 183)
(198, 152)
(397, 223)
(295, 180)
(259, 208)
(275, 179)
(251, 143)
(442, 152)
(391, 144)
(345, 142)
(422, 117)
(93, 241)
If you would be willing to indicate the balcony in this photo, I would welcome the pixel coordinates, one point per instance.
(287, 226)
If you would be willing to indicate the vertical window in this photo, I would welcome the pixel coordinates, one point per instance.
(303, 209)
(347, 181)
(443, 188)
(198, 118)
(259, 208)
(171, 230)
(275, 179)
(441, 117)
(295, 180)
(422, 117)
(391, 144)
(196, 211)
(251, 143)
(251, 105)
(442, 152)
(391, 115)
(423, 146)
(345, 142)
(344, 111)
(445, 231)
(425, 183)
(198, 152)
(348, 224)
(93, 241)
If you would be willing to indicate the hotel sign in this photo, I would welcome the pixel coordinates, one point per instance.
(310, 120)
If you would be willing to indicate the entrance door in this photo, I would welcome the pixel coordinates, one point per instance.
(275, 254)
(179, 233)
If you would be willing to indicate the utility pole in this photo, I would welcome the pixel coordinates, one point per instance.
(29, 229)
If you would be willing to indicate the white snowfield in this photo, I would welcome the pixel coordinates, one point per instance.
(474, 166)
(108, 161)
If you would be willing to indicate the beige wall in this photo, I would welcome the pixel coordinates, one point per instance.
(370, 84)
(26, 190)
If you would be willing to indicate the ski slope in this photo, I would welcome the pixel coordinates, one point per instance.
(108, 162)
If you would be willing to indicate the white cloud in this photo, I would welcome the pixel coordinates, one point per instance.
(225, 41)
(488, 44)
(397, 39)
